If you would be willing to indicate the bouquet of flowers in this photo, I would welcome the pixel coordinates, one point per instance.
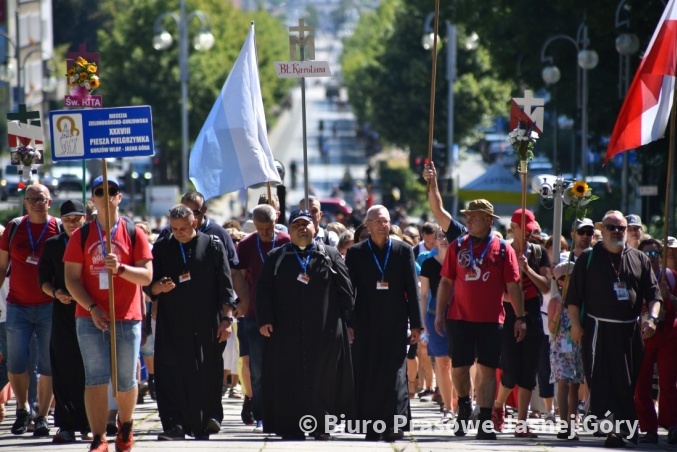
(82, 75)
(523, 141)
(27, 154)
(577, 197)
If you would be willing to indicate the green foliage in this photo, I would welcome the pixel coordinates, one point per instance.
(7, 215)
(134, 73)
(395, 174)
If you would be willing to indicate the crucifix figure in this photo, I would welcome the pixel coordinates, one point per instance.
(305, 42)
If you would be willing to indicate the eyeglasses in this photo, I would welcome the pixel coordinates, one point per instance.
(653, 254)
(37, 200)
(588, 232)
(613, 227)
(112, 191)
(198, 212)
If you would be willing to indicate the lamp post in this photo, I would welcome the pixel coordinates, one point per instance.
(587, 59)
(202, 42)
(627, 44)
(452, 154)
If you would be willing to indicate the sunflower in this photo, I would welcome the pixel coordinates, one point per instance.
(94, 82)
(580, 188)
(71, 72)
(81, 62)
(83, 76)
(91, 68)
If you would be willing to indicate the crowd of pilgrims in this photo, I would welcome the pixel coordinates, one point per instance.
(551, 359)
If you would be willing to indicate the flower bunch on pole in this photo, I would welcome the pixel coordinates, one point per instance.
(82, 78)
(26, 156)
(523, 139)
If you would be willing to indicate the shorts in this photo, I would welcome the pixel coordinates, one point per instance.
(474, 340)
(519, 360)
(242, 339)
(148, 349)
(437, 345)
(95, 349)
(22, 322)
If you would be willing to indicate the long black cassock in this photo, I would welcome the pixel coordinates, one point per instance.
(307, 367)
(380, 322)
(188, 357)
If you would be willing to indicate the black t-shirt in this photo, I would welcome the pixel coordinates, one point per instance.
(431, 269)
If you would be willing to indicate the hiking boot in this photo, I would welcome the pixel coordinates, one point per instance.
(125, 438)
(99, 444)
(498, 418)
(246, 413)
(485, 429)
(173, 434)
(23, 418)
(41, 426)
(64, 437)
(464, 412)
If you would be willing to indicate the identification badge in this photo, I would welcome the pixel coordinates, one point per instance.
(185, 277)
(381, 285)
(33, 260)
(621, 291)
(303, 278)
(566, 346)
(103, 281)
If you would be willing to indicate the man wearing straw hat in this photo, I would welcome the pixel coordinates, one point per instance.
(87, 265)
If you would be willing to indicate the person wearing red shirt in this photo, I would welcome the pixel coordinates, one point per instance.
(29, 310)
(86, 272)
(477, 270)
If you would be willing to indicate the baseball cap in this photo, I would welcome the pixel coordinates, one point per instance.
(672, 242)
(529, 220)
(562, 269)
(300, 215)
(99, 182)
(634, 220)
(584, 223)
(72, 207)
(480, 205)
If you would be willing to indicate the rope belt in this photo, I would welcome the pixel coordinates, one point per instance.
(594, 339)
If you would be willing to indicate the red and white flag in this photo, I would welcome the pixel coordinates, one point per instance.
(646, 109)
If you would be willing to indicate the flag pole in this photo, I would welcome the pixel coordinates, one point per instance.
(111, 291)
(433, 77)
(668, 187)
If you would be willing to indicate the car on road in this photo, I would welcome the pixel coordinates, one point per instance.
(333, 208)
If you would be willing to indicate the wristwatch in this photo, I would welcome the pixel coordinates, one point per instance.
(228, 319)
(121, 269)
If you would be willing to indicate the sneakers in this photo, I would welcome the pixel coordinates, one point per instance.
(464, 412)
(64, 437)
(125, 438)
(498, 418)
(234, 393)
(522, 430)
(425, 396)
(259, 427)
(246, 413)
(173, 434)
(484, 433)
(447, 417)
(111, 428)
(23, 418)
(550, 417)
(41, 426)
(99, 444)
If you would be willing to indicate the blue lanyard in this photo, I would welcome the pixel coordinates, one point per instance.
(112, 234)
(378, 264)
(258, 243)
(484, 253)
(30, 234)
(303, 263)
(183, 253)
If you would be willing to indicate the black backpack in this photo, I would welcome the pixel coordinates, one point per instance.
(129, 223)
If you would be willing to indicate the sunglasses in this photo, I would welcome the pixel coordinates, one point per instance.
(653, 254)
(112, 191)
(588, 232)
(613, 227)
(197, 213)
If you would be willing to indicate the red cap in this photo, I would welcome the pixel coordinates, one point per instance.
(529, 220)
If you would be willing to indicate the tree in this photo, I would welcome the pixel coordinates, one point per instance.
(133, 73)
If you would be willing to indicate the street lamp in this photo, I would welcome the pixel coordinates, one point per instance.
(627, 44)
(587, 59)
(427, 43)
(202, 42)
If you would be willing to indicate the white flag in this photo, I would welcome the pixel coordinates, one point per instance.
(232, 151)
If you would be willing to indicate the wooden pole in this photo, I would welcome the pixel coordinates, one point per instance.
(111, 292)
(270, 193)
(668, 190)
(433, 77)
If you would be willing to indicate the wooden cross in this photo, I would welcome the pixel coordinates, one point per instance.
(305, 43)
(25, 116)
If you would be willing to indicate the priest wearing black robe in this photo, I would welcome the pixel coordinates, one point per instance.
(609, 285)
(387, 298)
(303, 298)
(193, 289)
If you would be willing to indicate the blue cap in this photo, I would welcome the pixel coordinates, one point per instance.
(99, 181)
(300, 215)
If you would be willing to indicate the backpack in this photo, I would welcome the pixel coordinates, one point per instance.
(129, 223)
(14, 226)
(320, 249)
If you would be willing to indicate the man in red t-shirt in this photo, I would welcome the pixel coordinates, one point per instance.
(29, 310)
(477, 270)
(86, 273)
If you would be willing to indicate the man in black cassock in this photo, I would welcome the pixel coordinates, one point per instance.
(68, 371)
(193, 289)
(386, 288)
(303, 298)
(609, 284)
